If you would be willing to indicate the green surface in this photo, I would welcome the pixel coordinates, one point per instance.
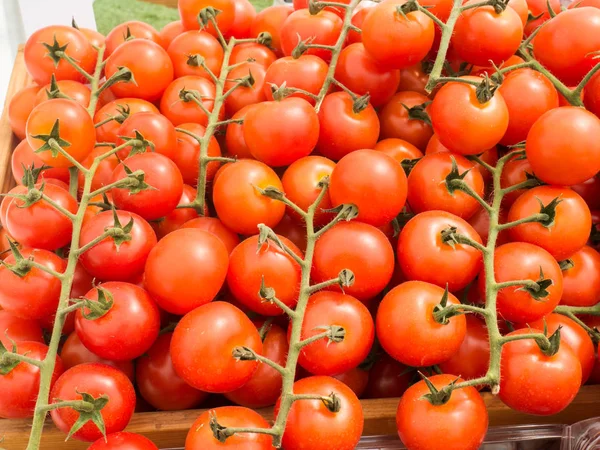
(110, 13)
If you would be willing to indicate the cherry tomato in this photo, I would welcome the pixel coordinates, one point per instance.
(234, 136)
(591, 95)
(124, 441)
(356, 379)
(216, 227)
(17, 329)
(19, 107)
(191, 48)
(540, 10)
(155, 128)
(188, 153)
(396, 122)
(261, 54)
(179, 216)
(126, 31)
(358, 17)
(294, 231)
(388, 378)
(515, 171)
(189, 10)
(119, 110)
(96, 380)
(589, 190)
(521, 8)
(74, 90)
(398, 149)
(581, 278)
(271, 20)
(308, 73)
(178, 104)
(170, 31)
(245, 95)
(414, 79)
(23, 158)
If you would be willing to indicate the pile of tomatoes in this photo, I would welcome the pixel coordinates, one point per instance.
(171, 263)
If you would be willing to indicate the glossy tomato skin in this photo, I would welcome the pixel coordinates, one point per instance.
(34, 296)
(121, 109)
(519, 260)
(170, 31)
(361, 129)
(104, 171)
(308, 72)
(581, 283)
(570, 229)
(361, 73)
(560, 132)
(515, 171)
(534, 383)
(251, 264)
(123, 441)
(358, 17)
(127, 330)
(94, 379)
(195, 43)
(235, 143)
(216, 227)
(388, 378)
(126, 260)
(271, 20)
(200, 436)
(158, 382)
(398, 149)
(16, 329)
(465, 125)
(72, 89)
(189, 10)
(424, 256)
(407, 330)
(245, 95)
(20, 386)
(264, 387)
(414, 79)
(396, 123)
(202, 363)
(188, 152)
(197, 256)
(261, 54)
(539, 9)
(132, 29)
(359, 247)
(23, 155)
(327, 308)
(372, 181)
(237, 186)
(155, 128)
(19, 107)
(41, 67)
(459, 424)
(179, 110)
(312, 425)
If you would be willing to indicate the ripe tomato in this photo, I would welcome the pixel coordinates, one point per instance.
(234, 136)
(127, 259)
(356, 379)
(327, 357)
(271, 20)
(522, 261)
(560, 132)
(294, 231)
(528, 375)
(189, 10)
(397, 40)
(521, 8)
(73, 353)
(322, 28)
(158, 382)
(189, 48)
(201, 362)
(123, 440)
(428, 187)
(16, 329)
(465, 125)
(308, 72)
(216, 227)
(179, 216)
(359, 247)
(178, 108)
(4, 245)
(188, 154)
(237, 186)
(371, 180)
(73, 125)
(358, 17)
(398, 149)
(96, 380)
(245, 95)
(264, 387)
(397, 123)
(482, 35)
(74, 90)
(388, 378)
(581, 281)
(40, 225)
(361, 73)
(41, 67)
(361, 126)
(120, 110)
(23, 158)
(313, 425)
(165, 186)
(20, 386)
(424, 255)
(515, 171)
(459, 424)
(170, 31)
(154, 128)
(249, 268)
(6, 201)
(569, 228)
(126, 31)
(539, 9)
(414, 79)
(407, 330)
(528, 95)
(591, 95)
(589, 190)
(244, 15)
(19, 107)
(261, 54)
(150, 65)
(200, 436)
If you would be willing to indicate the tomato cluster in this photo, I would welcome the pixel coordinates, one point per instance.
(299, 208)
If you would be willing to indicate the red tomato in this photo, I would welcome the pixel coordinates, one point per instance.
(170, 31)
(178, 217)
(17, 329)
(591, 95)
(568, 229)
(515, 171)
(96, 380)
(271, 20)
(294, 231)
(459, 424)
(397, 123)
(388, 378)
(234, 136)
(119, 110)
(361, 73)
(216, 227)
(6, 201)
(150, 65)
(158, 382)
(73, 125)
(41, 67)
(326, 357)
(116, 261)
(20, 386)
(581, 281)
(358, 17)
(19, 107)
(104, 170)
(245, 95)
(126, 31)
(372, 181)
(424, 255)
(201, 362)
(359, 247)
(74, 90)
(23, 158)
(465, 125)
(356, 379)
(308, 72)
(197, 256)
(540, 8)
(124, 441)
(528, 375)
(589, 190)
(407, 330)
(187, 154)
(414, 79)
(154, 128)
(237, 186)
(177, 102)
(398, 149)
(200, 436)
(189, 9)
(562, 146)
(480, 221)
(521, 8)
(313, 425)
(244, 15)
(261, 54)
(192, 47)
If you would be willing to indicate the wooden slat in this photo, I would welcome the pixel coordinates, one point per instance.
(168, 429)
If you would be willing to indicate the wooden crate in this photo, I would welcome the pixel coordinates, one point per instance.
(168, 429)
